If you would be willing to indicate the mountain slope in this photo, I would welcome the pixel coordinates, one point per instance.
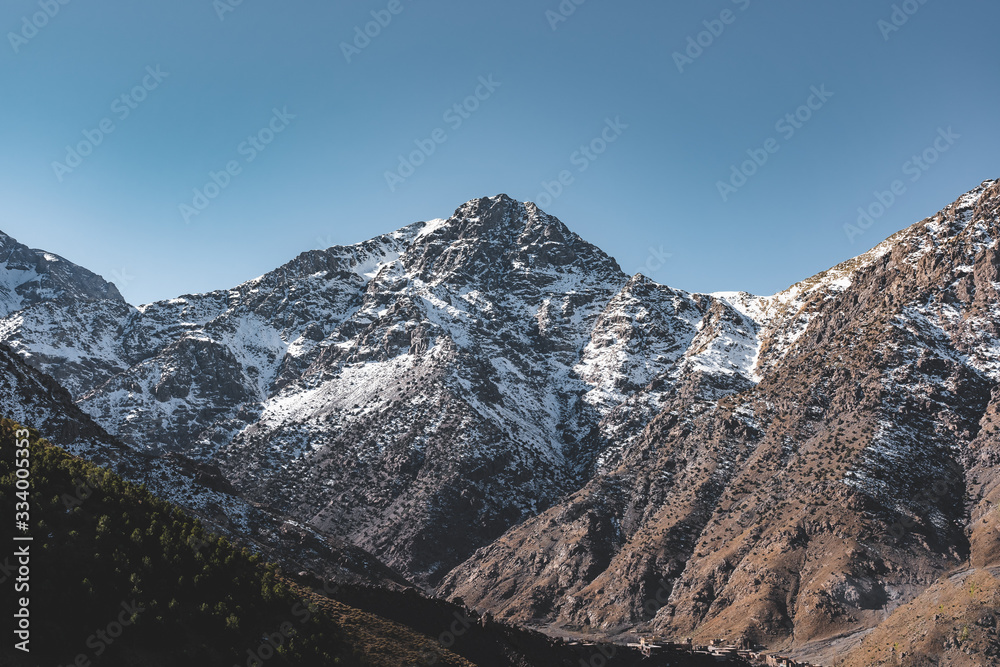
(812, 503)
(190, 597)
(489, 405)
(31, 276)
(453, 377)
(34, 399)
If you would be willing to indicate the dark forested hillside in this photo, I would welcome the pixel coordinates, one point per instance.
(118, 577)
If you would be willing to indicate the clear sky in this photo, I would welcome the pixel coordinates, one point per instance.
(200, 78)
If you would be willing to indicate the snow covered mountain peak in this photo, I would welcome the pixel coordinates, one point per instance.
(491, 388)
(468, 370)
(499, 242)
(30, 276)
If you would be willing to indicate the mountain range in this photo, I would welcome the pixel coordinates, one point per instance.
(488, 408)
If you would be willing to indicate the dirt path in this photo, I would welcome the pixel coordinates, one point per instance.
(828, 651)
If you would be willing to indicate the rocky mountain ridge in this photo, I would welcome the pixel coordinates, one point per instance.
(489, 405)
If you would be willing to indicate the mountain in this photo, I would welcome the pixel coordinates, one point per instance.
(856, 470)
(34, 399)
(288, 381)
(29, 277)
(489, 405)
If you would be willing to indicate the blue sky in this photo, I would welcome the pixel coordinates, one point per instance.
(662, 130)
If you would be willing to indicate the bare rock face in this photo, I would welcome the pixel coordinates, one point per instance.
(34, 400)
(51, 310)
(827, 491)
(449, 387)
(28, 277)
(489, 405)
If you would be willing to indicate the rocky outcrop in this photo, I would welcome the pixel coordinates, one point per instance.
(29, 277)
